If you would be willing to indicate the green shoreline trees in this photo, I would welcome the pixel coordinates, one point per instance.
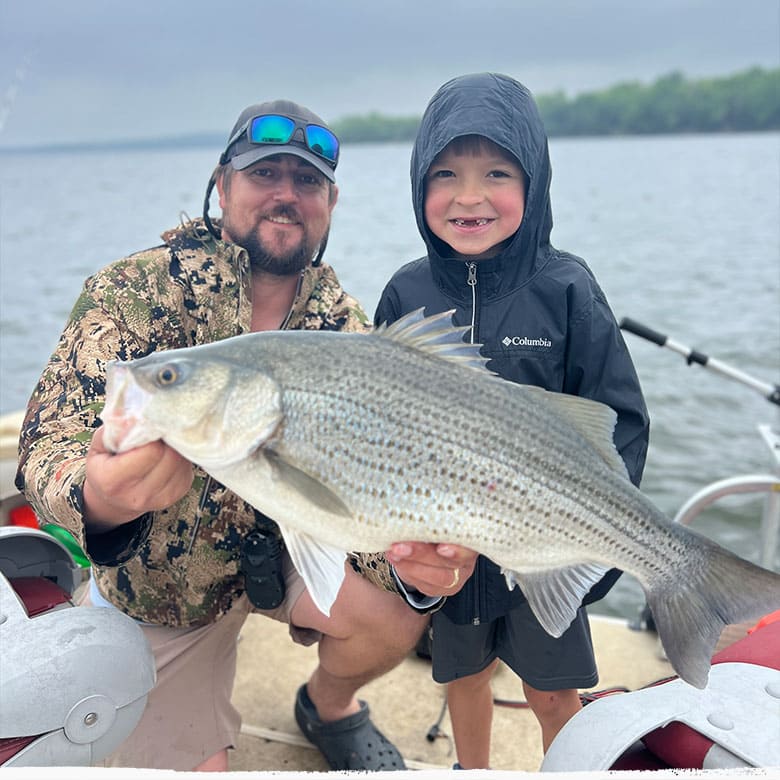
(748, 101)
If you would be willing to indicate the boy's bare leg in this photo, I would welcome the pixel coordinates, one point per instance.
(470, 702)
(553, 709)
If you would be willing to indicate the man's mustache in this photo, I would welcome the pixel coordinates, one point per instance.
(284, 212)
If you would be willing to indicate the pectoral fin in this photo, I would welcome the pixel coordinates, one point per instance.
(308, 489)
(320, 565)
(556, 595)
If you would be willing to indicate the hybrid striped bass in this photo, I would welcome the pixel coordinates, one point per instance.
(351, 442)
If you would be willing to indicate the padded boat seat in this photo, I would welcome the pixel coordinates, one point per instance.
(733, 722)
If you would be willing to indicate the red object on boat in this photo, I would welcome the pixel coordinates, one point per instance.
(10, 746)
(23, 516)
(38, 594)
(765, 621)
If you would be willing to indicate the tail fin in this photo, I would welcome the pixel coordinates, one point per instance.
(718, 590)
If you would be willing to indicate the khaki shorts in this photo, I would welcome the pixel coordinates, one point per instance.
(189, 716)
(293, 589)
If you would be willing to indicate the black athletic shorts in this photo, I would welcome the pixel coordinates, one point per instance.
(517, 638)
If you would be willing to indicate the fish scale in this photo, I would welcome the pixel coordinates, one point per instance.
(352, 442)
(540, 470)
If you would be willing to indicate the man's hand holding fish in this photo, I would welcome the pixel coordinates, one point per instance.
(433, 569)
(120, 487)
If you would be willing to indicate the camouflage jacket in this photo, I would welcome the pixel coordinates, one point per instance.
(191, 290)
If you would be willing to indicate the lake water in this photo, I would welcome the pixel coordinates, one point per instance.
(682, 232)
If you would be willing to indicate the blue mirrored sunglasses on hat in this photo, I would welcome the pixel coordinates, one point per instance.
(279, 129)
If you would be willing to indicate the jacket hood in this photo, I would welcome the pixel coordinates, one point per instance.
(503, 110)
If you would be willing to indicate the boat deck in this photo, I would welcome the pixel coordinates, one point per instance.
(406, 702)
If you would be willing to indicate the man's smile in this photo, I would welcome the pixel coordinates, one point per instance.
(279, 220)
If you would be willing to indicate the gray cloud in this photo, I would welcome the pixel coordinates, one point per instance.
(100, 69)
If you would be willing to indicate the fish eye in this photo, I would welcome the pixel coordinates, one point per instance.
(167, 375)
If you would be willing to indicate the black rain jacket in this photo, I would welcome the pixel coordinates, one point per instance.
(538, 312)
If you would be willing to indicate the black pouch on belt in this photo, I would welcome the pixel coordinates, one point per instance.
(261, 564)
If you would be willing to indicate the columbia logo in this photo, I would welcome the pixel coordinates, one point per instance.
(524, 341)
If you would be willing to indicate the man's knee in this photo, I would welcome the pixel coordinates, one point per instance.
(389, 614)
(363, 608)
(411, 627)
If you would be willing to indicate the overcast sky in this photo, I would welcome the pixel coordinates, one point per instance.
(96, 70)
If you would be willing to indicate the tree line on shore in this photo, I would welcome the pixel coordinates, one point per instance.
(748, 101)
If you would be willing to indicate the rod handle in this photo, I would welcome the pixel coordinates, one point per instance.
(638, 329)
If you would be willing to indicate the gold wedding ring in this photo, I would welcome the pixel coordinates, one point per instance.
(455, 579)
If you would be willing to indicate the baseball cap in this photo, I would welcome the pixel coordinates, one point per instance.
(241, 151)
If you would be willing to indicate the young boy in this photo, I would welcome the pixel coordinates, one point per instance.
(481, 192)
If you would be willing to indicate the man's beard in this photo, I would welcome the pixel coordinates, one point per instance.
(288, 263)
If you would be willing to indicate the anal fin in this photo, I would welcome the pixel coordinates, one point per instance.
(555, 595)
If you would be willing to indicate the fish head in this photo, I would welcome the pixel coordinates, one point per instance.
(212, 411)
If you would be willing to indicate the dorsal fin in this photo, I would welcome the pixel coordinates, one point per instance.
(435, 335)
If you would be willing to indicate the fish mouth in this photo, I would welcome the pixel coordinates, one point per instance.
(124, 424)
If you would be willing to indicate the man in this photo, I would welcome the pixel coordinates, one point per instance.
(170, 546)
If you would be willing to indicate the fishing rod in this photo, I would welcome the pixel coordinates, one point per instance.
(767, 390)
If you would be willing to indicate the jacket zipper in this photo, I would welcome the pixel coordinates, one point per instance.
(471, 280)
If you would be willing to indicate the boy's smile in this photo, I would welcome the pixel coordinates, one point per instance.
(472, 222)
(475, 201)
